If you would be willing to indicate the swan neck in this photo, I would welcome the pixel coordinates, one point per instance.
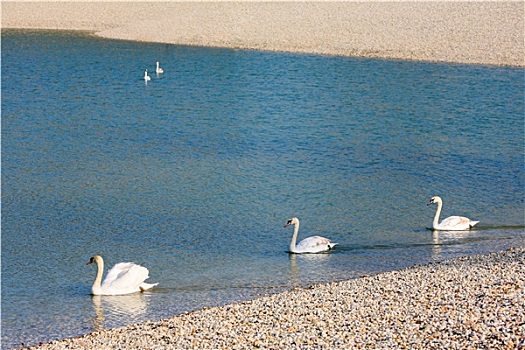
(100, 272)
(435, 224)
(294, 238)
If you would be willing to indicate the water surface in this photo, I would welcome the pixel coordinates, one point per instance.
(194, 174)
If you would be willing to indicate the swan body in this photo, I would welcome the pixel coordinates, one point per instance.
(452, 223)
(146, 76)
(159, 70)
(123, 278)
(314, 244)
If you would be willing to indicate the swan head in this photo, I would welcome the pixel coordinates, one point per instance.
(93, 259)
(292, 221)
(435, 199)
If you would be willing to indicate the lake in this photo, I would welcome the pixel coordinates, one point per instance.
(194, 173)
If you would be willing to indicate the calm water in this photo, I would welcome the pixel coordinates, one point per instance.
(194, 174)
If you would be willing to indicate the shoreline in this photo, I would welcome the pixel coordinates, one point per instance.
(489, 33)
(475, 301)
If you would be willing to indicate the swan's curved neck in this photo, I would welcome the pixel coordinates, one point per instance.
(435, 224)
(294, 238)
(98, 279)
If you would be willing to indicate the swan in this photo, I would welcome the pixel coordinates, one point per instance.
(452, 223)
(123, 278)
(146, 76)
(314, 244)
(159, 70)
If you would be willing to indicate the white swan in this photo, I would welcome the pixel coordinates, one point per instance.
(452, 223)
(159, 70)
(146, 76)
(123, 278)
(314, 244)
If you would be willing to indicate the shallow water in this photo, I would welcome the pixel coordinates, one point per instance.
(194, 174)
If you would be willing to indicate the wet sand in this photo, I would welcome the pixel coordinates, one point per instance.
(466, 32)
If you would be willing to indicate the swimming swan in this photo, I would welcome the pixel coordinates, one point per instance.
(314, 244)
(452, 223)
(159, 70)
(123, 278)
(146, 76)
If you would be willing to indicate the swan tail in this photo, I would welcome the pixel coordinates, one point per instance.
(145, 286)
(472, 223)
(331, 245)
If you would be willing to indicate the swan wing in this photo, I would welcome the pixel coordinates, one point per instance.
(117, 271)
(314, 244)
(457, 222)
(125, 278)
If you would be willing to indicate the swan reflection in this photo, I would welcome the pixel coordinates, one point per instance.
(448, 238)
(437, 250)
(111, 308)
(310, 263)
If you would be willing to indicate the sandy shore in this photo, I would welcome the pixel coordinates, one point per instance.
(467, 32)
(475, 302)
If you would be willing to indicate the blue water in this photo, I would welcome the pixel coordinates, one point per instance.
(194, 174)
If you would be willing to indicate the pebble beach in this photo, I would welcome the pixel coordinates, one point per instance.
(473, 302)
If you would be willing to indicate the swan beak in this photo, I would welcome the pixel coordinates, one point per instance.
(90, 261)
(288, 223)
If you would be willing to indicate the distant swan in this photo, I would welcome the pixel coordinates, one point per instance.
(452, 223)
(123, 278)
(314, 244)
(146, 76)
(159, 70)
